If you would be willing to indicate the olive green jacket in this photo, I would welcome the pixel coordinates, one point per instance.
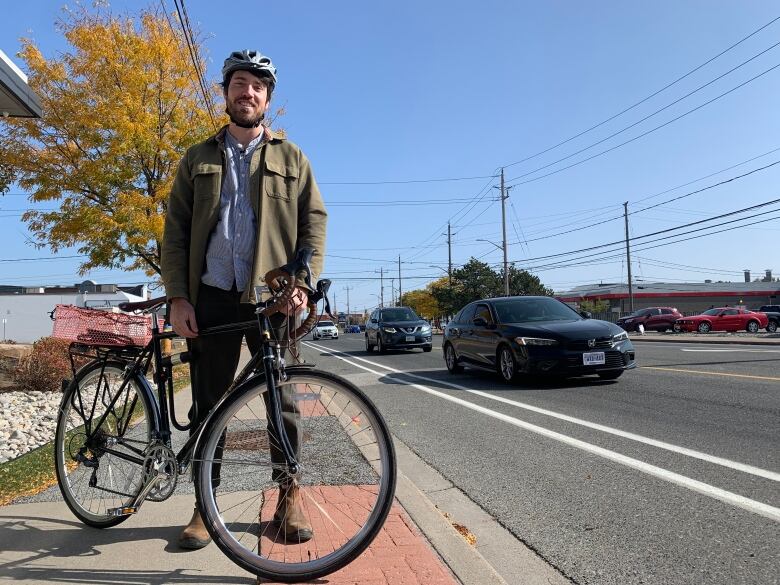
(287, 204)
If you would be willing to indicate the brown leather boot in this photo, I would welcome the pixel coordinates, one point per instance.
(290, 516)
(194, 535)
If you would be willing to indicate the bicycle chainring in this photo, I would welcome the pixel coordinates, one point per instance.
(159, 459)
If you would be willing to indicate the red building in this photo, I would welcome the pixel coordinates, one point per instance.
(688, 298)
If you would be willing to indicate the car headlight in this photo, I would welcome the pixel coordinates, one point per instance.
(622, 336)
(535, 341)
(425, 329)
(629, 320)
(388, 329)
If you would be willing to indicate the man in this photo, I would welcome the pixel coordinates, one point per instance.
(242, 203)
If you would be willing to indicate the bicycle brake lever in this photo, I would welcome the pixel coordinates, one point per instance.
(301, 262)
(322, 293)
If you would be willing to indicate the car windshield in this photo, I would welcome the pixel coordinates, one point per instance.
(399, 314)
(712, 312)
(640, 313)
(532, 310)
(325, 324)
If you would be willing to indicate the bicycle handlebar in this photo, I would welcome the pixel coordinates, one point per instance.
(282, 282)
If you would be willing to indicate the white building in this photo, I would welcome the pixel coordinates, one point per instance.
(25, 313)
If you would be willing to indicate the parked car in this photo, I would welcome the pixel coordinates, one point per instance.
(772, 313)
(651, 318)
(723, 319)
(325, 330)
(534, 335)
(397, 328)
(353, 329)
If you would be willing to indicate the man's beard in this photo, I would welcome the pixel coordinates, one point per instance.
(243, 120)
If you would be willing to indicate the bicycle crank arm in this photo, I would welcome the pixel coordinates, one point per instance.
(139, 499)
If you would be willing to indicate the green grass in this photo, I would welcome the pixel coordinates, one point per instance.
(33, 472)
(26, 475)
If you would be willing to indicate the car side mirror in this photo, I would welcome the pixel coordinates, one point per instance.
(479, 321)
(374, 321)
(586, 314)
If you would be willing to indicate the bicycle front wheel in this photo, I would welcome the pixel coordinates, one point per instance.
(340, 498)
(103, 428)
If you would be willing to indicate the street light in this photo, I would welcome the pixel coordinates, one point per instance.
(506, 270)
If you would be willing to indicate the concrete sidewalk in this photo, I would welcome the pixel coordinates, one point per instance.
(41, 541)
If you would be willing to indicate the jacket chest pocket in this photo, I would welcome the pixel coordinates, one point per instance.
(206, 181)
(280, 180)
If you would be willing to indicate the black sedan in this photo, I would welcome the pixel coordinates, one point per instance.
(535, 335)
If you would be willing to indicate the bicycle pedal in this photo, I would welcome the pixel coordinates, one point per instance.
(122, 511)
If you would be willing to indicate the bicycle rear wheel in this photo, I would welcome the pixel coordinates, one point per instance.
(99, 468)
(345, 486)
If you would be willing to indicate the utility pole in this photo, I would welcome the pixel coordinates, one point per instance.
(392, 292)
(381, 288)
(335, 310)
(628, 261)
(449, 254)
(504, 197)
(346, 322)
(399, 281)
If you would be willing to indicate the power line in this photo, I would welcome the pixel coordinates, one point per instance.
(620, 242)
(718, 184)
(598, 154)
(694, 70)
(399, 203)
(186, 33)
(405, 181)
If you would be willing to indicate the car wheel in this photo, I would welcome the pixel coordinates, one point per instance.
(380, 347)
(677, 329)
(451, 360)
(427, 348)
(507, 367)
(369, 345)
(704, 327)
(771, 326)
(611, 375)
(752, 327)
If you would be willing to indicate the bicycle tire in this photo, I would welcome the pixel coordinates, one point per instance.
(130, 424)
(346, 483)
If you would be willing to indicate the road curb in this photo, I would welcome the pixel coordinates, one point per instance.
(497, 558)
(710, 341)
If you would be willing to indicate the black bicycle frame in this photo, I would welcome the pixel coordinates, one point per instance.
(162, 417)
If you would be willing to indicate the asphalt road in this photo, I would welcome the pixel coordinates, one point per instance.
(668, 475)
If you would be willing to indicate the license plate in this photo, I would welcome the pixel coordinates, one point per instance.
(410, 338)
(593, 358)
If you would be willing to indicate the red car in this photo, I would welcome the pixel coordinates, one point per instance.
(723, 319)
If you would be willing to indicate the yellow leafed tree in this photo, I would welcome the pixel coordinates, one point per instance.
(119, 110)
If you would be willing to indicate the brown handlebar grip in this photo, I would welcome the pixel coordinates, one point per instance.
(306, 326)
(276, 280)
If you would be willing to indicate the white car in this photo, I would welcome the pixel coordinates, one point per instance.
(325, 330)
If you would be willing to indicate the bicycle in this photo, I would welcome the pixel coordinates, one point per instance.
(113, 447)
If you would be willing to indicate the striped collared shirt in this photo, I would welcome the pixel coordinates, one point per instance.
(231, 245)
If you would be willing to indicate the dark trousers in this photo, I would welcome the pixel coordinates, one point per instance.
(215, 361)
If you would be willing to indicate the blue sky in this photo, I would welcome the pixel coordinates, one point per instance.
(379, 94)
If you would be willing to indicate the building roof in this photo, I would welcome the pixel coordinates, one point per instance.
(665, 289)
(16, 97)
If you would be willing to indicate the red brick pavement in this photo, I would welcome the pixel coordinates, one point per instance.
(400, 554)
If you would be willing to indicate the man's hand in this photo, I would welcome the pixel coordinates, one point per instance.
(297, 303)
(183, 318)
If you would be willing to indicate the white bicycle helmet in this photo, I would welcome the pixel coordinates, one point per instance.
(247, 60)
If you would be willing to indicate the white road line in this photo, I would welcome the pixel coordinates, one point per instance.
(711, 491)
(697, 350)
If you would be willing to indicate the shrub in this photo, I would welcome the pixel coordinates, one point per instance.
(44, 369)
